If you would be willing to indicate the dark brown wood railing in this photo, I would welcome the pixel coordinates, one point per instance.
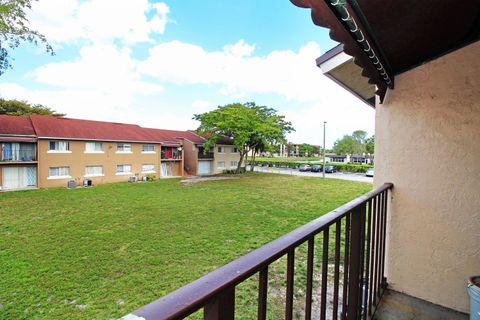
(358, 273)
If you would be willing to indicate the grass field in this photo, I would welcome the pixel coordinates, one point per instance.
(102, 252)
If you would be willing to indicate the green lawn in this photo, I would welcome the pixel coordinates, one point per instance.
(102, 252)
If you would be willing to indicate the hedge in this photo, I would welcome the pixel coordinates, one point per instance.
(342, 167)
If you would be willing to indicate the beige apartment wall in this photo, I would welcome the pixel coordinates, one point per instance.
(226, 157)
(427, 144)
(190, 157)
(77, 160)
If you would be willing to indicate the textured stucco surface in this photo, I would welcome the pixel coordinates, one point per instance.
(428, 145)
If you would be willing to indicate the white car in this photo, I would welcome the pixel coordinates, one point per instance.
(370, 172)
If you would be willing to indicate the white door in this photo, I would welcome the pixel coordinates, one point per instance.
(19, 177)
(204, 167)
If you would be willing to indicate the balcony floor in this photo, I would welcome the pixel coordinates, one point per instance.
(399, 306)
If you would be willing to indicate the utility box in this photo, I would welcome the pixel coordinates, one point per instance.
(71, 184)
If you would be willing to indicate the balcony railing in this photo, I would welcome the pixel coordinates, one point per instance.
(357, 282)
(208, 155)
(173, 156)
(19, 155)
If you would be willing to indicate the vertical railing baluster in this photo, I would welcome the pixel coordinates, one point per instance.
(262, 294)
(309, 289)
(222, 306)
(377, 251)
(336, 272)
(323, 297)
(361, 272)
(371, 243)
(354, 270)
(385, 205)
(290, 279)
(345, 266)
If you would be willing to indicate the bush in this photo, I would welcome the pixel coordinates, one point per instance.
(294, 164)
(151, 177)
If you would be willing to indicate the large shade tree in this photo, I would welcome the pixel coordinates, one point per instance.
(251, 127)
(14, 30)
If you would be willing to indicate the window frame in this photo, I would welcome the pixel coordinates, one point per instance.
(65, 175)
(121, 148)
(148, 171)
(148, 151)
(95, 143)
(87, 175)
(123, 172)
(57, 144)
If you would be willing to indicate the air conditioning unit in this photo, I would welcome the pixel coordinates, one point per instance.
(87, 183)
(144, 178)
(132, 179)
(71, 184)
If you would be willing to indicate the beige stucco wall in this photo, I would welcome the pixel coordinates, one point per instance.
(77, 160)
(226, 157)
(428, 145)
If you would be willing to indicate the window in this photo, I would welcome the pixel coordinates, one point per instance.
(221, 164)
(234, 150)
(58, 146)
(124, 147)
(221, 149)
(94, 147)
(148, 148)
(58, 172)
(234, 163)
(93, 171)
(124, 169)
(148, 168)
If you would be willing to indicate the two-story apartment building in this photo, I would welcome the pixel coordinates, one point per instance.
(46, 151)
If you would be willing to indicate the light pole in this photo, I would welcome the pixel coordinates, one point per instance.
(323, 167)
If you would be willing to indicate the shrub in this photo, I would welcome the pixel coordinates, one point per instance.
(151, 177)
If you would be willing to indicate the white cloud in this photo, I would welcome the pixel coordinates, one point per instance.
(239, 72)
(98, 20)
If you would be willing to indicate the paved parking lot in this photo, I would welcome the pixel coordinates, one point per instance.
(337, 175)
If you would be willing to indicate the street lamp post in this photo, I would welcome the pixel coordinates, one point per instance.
(324, 123)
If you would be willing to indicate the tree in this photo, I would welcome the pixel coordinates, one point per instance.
(305, 149)
(20, 108)
(370, 144)
(344, 145)
(14, 30)
(251, 127)
(316, 150)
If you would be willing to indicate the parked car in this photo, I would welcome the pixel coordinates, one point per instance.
(369, 172)
(304, 167)
(316, 168)
(330, 169)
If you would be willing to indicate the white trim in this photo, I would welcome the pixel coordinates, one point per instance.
(58, 177)
(94, 175)
(149, 152)
(151, 171)
(59, 151)
(334, 62)
(123, 174)
(93, 151)
(123, 152)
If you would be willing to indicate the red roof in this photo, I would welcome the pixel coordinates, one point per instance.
(174, 135)
(67, 128)
(58, 127)
(16, 125)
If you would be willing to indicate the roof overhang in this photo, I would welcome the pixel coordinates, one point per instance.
(340, 67)
(386, 38)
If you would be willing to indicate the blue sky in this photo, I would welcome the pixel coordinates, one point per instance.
(158, 63)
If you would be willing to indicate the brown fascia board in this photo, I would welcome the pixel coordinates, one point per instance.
(324, 17)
